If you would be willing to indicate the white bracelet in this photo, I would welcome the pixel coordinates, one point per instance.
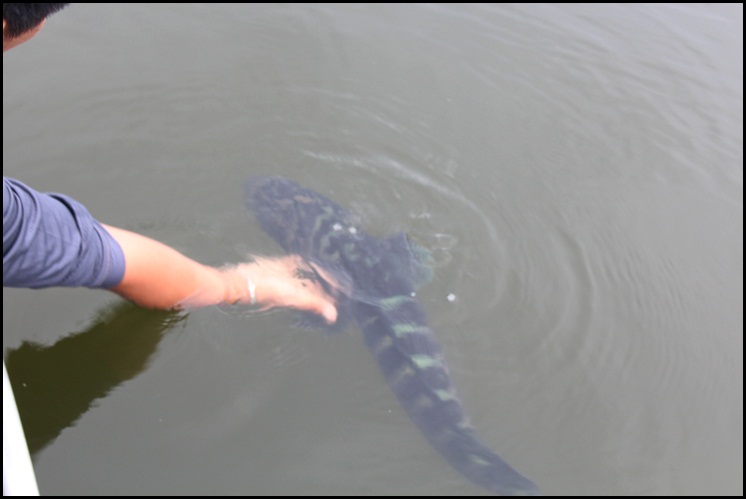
(252, 292)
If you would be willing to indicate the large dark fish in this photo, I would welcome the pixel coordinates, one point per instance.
(381, 276)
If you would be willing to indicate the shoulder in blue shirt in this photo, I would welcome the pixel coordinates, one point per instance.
(52, 240)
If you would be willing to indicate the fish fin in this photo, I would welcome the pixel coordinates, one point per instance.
(415, 261)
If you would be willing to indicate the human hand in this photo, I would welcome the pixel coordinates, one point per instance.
(280, 282)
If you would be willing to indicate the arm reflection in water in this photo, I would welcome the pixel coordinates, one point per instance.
(55, 385)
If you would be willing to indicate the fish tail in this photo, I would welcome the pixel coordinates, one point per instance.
(419, 377)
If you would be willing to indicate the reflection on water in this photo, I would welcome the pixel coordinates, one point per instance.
(55, 385)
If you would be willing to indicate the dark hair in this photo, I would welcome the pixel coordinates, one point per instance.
(22, 17)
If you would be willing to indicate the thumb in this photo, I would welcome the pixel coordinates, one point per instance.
(329, 312)
(320, 304)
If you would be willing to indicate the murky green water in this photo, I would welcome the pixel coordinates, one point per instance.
(577, 172)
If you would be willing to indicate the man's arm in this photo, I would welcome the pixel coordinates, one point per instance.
(158, 276)
(52, 240)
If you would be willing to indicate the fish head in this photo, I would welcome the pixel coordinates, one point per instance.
(300, 220)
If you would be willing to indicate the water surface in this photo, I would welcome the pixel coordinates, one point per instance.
(577, 171)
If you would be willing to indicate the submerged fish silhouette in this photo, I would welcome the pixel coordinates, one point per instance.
(380, 277)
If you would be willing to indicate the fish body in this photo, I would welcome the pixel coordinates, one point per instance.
(381, 276)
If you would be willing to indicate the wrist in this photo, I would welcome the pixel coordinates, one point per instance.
(252, 290)
(239, 283)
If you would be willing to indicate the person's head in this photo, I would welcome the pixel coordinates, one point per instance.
(21, 21)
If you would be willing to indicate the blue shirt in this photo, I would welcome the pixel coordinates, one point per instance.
(52, 240)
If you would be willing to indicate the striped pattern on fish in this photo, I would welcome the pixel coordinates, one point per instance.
(380, 277)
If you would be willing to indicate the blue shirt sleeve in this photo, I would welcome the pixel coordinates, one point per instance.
(52, 240)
